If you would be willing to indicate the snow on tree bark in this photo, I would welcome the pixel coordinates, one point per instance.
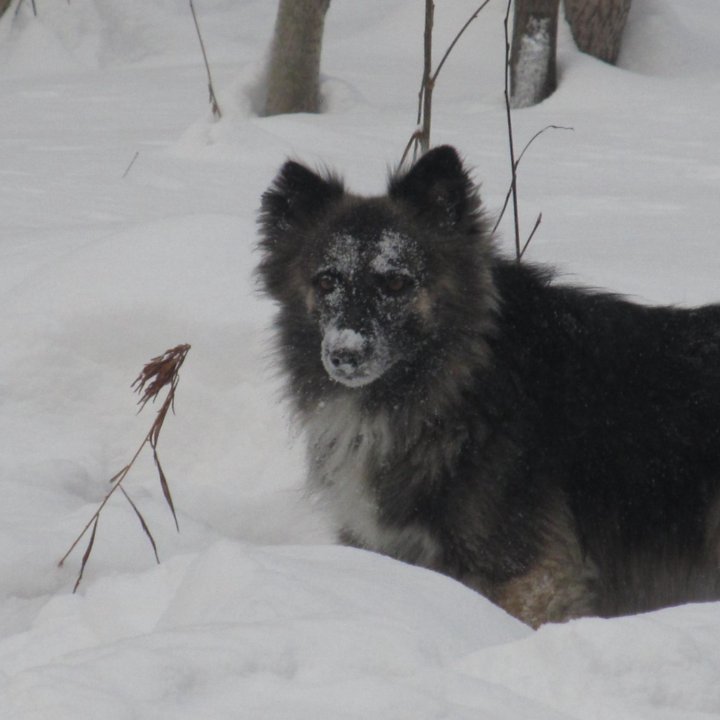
(532, 60)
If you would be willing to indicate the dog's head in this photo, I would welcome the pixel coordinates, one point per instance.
(370, 280)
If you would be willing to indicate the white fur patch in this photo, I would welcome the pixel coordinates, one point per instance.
(341, 442)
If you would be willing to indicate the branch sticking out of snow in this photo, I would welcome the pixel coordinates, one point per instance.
(160, 373)
(214, 105)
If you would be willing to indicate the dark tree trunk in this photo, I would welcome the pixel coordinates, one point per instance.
(597, 26)
(293, 83)
(532, 60)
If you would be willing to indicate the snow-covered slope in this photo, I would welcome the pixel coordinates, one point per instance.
(104, 264)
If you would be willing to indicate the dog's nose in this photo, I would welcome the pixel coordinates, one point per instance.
(345, 357)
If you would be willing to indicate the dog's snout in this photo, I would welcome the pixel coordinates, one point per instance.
(352, 358)
(347, 357)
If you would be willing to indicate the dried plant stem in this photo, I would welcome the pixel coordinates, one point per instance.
(512, 192)
(215, 106)
(161, 372)
(19, 5)
(116, 481)
(420, 139)
(511, 143)
(132, 162)
(517, 164)
(457, 37)
(530, 236)
(428, 83)
(86, 554)
(143, 524)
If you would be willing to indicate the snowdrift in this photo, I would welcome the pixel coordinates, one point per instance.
(127, 226)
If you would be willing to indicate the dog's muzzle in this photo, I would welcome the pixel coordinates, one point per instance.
(351, 358)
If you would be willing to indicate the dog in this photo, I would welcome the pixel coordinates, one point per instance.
(553, 447)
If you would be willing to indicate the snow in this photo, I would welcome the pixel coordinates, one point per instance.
(253, 611)
(389, 255)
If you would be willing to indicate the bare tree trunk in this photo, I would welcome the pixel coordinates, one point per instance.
(293, 83)
(597, 26)
(532, 61)
(4, 5)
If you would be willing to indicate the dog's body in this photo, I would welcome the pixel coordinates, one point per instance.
(554, 448)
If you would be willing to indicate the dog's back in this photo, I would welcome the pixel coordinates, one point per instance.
(556, 449)
(623, 402)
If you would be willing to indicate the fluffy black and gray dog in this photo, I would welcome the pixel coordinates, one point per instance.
(555, 448)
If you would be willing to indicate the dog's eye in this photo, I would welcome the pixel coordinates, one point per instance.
(395, 284)
(325, 282)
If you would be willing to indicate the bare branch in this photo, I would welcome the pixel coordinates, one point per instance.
(421, 137)
(536, 136)
(517, 165)
(428, 82)
(132, 162)
(457, 37)
(414, 138)
(217, 113)
(513, 164)
(530, 237)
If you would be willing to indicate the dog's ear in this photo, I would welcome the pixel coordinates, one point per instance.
(437, 187)
(296, 195)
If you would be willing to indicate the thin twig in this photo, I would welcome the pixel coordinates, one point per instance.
(513, 165)
(536, 136)
(116, 480)
(132, 162)
(414, 138)
(217, 113)
(421, 136)
(428, 83)
(457, 37)
(517, 165)
(19, 5)
(530, 236)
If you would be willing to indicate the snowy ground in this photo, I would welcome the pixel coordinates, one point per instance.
(253, 613)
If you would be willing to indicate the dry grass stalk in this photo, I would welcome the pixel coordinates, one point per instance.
(160, 373)
(214, 105)
(515, 161)
(420, 139)
(516, 164)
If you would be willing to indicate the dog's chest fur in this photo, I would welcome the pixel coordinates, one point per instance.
(347, 450)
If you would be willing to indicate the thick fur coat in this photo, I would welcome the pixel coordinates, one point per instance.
(554, 448)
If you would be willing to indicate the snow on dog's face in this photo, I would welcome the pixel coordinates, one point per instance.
(365, 280)
(366, 284)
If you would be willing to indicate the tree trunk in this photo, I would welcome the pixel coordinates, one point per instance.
(532, 60)
(293, 83)
(4, 5)
(597, 26)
